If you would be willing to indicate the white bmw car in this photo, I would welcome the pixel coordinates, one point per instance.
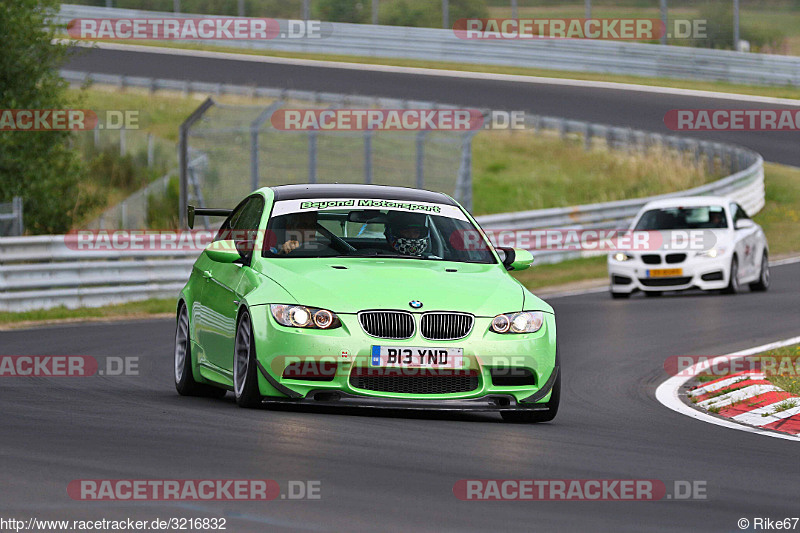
(737, 254)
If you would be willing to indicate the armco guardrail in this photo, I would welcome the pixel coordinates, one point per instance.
(745, 187)
(43, 272)
(574, 55)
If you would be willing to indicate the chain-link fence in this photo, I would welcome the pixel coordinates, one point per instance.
(241, 150)
(11, 224)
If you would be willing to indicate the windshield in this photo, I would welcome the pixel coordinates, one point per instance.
(371, 228)
(701, 217)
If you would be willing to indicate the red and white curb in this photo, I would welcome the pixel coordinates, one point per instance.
(745, 401)
(749, 398)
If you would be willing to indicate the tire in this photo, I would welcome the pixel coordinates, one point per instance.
(532, 417)
(620, 295)
(733, 283)
(184, 378)
(245, 371)
(653, 294)
(763, 279)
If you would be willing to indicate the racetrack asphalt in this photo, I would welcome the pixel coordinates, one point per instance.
(635, 109)
(396, 471)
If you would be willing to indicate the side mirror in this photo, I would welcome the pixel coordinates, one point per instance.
(223, 252)
(744, 223)
(515, 258)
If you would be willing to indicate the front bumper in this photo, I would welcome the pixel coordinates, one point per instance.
(488, 403)
(697, 272)
(351, 348)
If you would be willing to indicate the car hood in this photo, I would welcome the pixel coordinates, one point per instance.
(352, 285)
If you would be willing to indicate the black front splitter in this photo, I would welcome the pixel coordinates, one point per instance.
(489, 403)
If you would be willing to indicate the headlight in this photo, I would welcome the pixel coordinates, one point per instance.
(712, 253)
(621, 256)
(524, 322)
(300, 316)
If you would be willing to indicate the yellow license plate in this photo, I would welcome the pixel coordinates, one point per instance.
(664, 272)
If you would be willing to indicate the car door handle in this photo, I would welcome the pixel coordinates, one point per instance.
(207, 274)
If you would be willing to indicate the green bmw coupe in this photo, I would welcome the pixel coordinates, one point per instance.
(364, 295)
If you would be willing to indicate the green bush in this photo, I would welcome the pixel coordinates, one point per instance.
(428, 13)
(162, 210)
(252, 8)
(719, 29)
(121, 172)
(416, 13)
(340, 11)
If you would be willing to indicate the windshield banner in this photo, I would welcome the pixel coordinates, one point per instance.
(284, 207)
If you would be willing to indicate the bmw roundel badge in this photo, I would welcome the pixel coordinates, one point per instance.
(416, 304)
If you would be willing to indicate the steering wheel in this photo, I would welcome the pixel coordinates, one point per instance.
(335, 238)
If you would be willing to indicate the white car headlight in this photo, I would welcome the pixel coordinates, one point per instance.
(622, 256)
(712, 253)
(524, 322)
(300, 316)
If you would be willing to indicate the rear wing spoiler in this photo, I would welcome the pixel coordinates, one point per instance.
(191, 211)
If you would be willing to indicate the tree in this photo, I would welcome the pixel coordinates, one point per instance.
(40, 167)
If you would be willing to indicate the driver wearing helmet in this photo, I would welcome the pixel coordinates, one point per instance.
(407, 233)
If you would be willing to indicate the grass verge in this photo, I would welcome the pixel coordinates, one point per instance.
(155, 306)
(787, 380)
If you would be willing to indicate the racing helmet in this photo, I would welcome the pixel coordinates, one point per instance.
(407, 232)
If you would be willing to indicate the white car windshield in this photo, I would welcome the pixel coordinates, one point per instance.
(678, 218)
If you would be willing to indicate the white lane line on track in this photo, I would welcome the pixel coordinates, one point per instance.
(667, 394)
(577, 292)
(441, 73)
(699, 391)
(756, 416)
(787, 261)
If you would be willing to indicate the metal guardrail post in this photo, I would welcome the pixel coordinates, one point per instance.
(151, 155)
(312, 156)
(464, 181)
(420, 159)
(368, 157)
(16, 203)
(255, 127)
(183, 156)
